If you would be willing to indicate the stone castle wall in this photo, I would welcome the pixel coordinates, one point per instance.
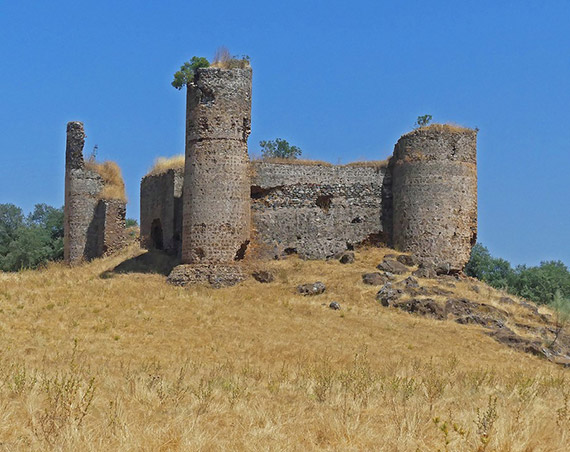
(92, 226)
(316, 211)
(434, 186)
(161, 211)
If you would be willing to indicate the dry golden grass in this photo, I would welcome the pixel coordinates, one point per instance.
(163, 164)
(448, 127)
(223, 59)
(114, 185)
(127, 362)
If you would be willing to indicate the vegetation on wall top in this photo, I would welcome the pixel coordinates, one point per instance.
(163, 164)
(186, 73)
(114, 185)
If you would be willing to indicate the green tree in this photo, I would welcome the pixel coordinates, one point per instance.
(186, 73)
(31, 241)
(130, 222)
(541, 283)
(496, 272)
(279, 148)
(561, 307)
(423, 120)
(11, 220)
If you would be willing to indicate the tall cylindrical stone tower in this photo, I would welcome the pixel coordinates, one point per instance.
(434, 188)
(216, 209)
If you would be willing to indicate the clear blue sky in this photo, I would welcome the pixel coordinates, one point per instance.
(342, 80)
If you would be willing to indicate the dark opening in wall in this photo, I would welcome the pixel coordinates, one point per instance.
(324, 202)
(156, 236)
(289, 251)
(259, 193)
(240, 254)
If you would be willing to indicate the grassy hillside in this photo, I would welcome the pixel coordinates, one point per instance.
(94, 358)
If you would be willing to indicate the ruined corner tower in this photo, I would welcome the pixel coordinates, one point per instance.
(216, 194)
(94, 222)
(434, 189)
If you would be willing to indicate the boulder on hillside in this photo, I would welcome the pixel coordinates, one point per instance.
(387, 294)
(392, 266)
(347, 257)
(409, 260)
(263, 276)
(425, 271)
(374, 279)
(315, 288)
(423, 306)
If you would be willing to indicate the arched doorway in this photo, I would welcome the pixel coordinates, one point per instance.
(156, 236)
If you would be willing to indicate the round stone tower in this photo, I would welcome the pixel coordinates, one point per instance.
(434, 187)
(216, 194)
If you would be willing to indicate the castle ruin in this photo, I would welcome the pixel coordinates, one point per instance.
(221, 206)
(423, 201)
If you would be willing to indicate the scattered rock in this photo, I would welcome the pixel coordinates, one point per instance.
(410, 282)
(334, 305)
(425, 271)
(419, 291)
(387, 294)
(409, 260)
(474, 288)
(510, 339)
(390, 256)
(315, 288)
(347, 258)
(263, 276)
(374, 279)
(440, 291)
(424, 306)
(392, 266)
(468, 312)
(390, 276)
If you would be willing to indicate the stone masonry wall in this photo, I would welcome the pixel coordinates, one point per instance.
(92, 226)
(434, 186)
(161, 206)
(217, 189)
(82, 187)
(114, 234)
(316, 211)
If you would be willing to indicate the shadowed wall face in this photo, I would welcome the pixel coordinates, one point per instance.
(216, 210)
(161, 204)
(92, 226)
(82, 186)
(434, 189)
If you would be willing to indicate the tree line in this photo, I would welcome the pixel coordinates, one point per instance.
(538, 283)
(29, 241)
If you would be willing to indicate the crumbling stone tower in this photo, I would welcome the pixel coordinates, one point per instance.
(434, 189)
(94, 224)
(216, 193)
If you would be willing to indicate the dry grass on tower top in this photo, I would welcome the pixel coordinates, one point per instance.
(95, 359)
(436, 127)
(114, 185)
(163, 164)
